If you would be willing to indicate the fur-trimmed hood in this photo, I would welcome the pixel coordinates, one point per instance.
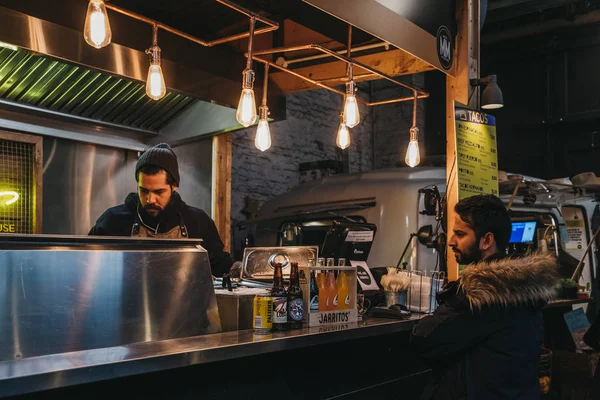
(511, 282)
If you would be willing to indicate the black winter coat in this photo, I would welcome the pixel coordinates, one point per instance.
(118, 221)
(483, 341)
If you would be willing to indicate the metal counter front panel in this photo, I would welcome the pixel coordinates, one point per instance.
(60, 300)
(66, 369)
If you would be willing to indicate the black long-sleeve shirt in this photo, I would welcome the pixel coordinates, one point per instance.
(118, 221)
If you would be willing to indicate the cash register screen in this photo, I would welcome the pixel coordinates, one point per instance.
(522, 232)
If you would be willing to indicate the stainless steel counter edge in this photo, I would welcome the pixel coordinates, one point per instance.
(65, 369)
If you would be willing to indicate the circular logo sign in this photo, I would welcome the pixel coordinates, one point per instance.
(445, 47)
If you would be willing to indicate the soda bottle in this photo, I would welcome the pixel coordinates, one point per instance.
(332, 292)
(343, 291)
(323, 296)
(294, 299)
(313, 300)
(279, 299)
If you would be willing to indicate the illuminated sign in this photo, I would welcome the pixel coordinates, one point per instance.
(476, 153)
(7, 228)
(14, 197)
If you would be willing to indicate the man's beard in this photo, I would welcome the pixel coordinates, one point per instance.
(472, 255)
(149, 207)
(152, 210)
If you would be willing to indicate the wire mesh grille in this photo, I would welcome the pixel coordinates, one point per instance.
(17, 187)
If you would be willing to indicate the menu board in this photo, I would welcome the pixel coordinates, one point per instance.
(476, 152)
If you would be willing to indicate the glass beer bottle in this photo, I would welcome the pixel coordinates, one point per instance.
(279, 299)
(313, 300)
(294, 299)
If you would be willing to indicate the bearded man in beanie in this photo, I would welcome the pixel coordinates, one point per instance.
(157, 210)
(483, 341)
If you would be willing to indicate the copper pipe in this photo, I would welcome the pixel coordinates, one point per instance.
(160, 25)
(250, 43)
(345, 78)
(349, 52)
(397, 100)
(415, 110)
(129, 13)
(248, 12)
(154, 34)
(321, 85)
(421, 93)
(353, 50)
(272, 25)
(367, 68)
(241, 36)
(265, 85)
(279, 67)
(285, 49)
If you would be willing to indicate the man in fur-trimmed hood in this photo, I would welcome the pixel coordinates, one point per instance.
(484, 339)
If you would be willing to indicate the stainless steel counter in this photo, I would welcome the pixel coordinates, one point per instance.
(57, 370)
(67, 294)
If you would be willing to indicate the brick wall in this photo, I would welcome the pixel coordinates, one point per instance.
(393, 122)
(309, 133)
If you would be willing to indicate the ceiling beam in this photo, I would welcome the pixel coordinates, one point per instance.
(393, 62)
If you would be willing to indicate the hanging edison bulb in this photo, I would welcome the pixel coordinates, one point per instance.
(351, 113)
(262, 140)
(343, 135)
(155, 83)
(246, 111)
(96, 30)
(413, 158)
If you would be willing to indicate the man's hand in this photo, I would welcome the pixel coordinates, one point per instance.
(236, 270)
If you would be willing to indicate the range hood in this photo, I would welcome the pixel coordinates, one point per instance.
(52, 82)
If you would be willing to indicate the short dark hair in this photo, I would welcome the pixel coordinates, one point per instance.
(486, 213)
(154, 170)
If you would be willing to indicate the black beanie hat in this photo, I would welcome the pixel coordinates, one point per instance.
(161, 156)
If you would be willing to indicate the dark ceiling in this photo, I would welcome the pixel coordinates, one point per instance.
(208, 19)
(510, 19)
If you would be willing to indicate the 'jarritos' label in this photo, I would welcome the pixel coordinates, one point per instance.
(334, 317)
(296, 310)
(279, 310)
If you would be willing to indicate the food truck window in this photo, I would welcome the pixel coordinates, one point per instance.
(309, 233)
